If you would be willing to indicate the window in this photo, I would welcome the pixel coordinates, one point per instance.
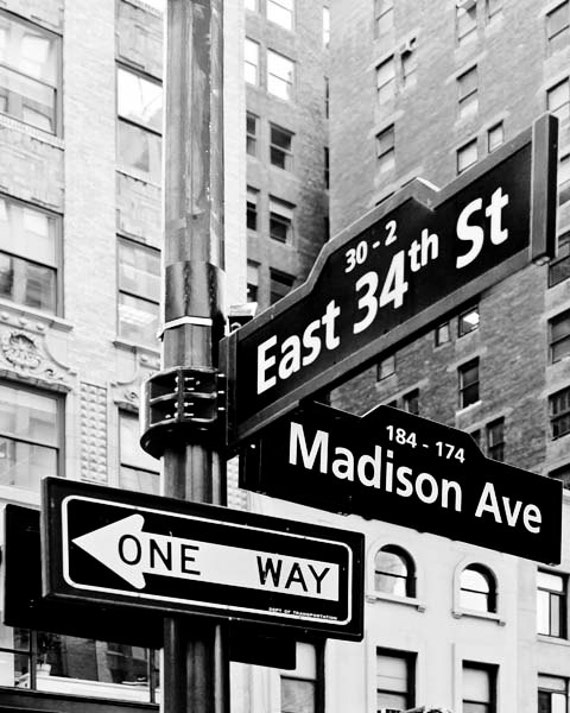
(69, 657)
(559, 336)
(552, 694)
(384, 16)
(327, 97)
(30, 436)
(251, 208)
(469, 383)
(29, 255)
(478, 589)
(29, 73)
(252, 5)
(386, 149)
(138, 471)
(139, 292)
(466, 22)
(251, 134)
(394, 572)
(442, 334)
(280, 75)
(466, 156)
(495, 136)
(559, 407)
(412, 402)
(280, 143)
(139, 106)
(564, 179)
(251, 59)
(280, 220)
(252, 281)
(468, 321)
(409, 68)
(386, 82)
(479, 684)
(386, 367)
(467, 93)
(327, 166)
(559, 269)
(558, 100)
(394, 679)
(301, 688)
(562, 474)
(326, 26)
(280, 283)
(496, 440)
(551, 604)
(494, 9)
(557, 24)
(281, 12)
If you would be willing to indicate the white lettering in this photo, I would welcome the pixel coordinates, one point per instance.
(343, 464)
(291, 361)
(263, 364)
(320, 445)
(472, 233)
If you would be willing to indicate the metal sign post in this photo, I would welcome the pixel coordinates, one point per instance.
(393, 273)
(195, 663)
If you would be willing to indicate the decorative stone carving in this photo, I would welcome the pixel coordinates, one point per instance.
(26, 356)
(93, 418)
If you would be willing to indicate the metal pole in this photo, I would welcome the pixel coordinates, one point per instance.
(195, 663)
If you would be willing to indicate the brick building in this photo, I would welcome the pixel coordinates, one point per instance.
(430, 89)
(80, 238)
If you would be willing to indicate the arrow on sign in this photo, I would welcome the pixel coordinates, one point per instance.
(126, 550)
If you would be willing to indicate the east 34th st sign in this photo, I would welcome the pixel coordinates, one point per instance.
(392, 274)
(102, 544)
(394, 466)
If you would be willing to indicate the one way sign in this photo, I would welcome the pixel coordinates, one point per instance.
(106, 545)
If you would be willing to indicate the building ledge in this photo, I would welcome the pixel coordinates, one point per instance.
(418, 604)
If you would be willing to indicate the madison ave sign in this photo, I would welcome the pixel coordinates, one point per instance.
(393, 466)
(105, 545)
(392, 274)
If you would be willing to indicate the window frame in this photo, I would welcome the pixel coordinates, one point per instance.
(256, 65)
(491, 145)
(492, 676)
(59, 422)
(380, 373)
(383, 10)
(251, 192)
(463, 326)
(564, 107)
(464, 387)
(283, 8)
(386, 157)
(280, 278)
(409, 578)
(386, 85)
(552, 38)
(251, 138)
(563, 690)
(287, 153)
(289, 83)
(318, 681)
(467, 95)
(154, 174)
(462, 151)
(490, 594)
(123, 240)
(58, 254)
(281, 213)
(559, 412)
(464, 34)
(410, 660)
(58, 86)
(495, 440)
(560, 595)
(122, 461)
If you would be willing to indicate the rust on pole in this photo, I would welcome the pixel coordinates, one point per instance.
(195, 662)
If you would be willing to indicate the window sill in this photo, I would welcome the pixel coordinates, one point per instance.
(46, 138)
(148, 354)
(138, 176)
(545, 639)
(25, 315)
(474, 614)
(467, 409)
(395, 599)
(19, 496)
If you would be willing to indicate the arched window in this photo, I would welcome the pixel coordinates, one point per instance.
(478, 589)
(394, 572)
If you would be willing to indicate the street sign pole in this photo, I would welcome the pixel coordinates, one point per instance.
(195, 671)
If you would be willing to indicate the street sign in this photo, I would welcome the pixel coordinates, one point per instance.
(103, 544)
(392, 274)
(394, 466)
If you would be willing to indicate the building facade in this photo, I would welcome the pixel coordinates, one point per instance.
(428, 90)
